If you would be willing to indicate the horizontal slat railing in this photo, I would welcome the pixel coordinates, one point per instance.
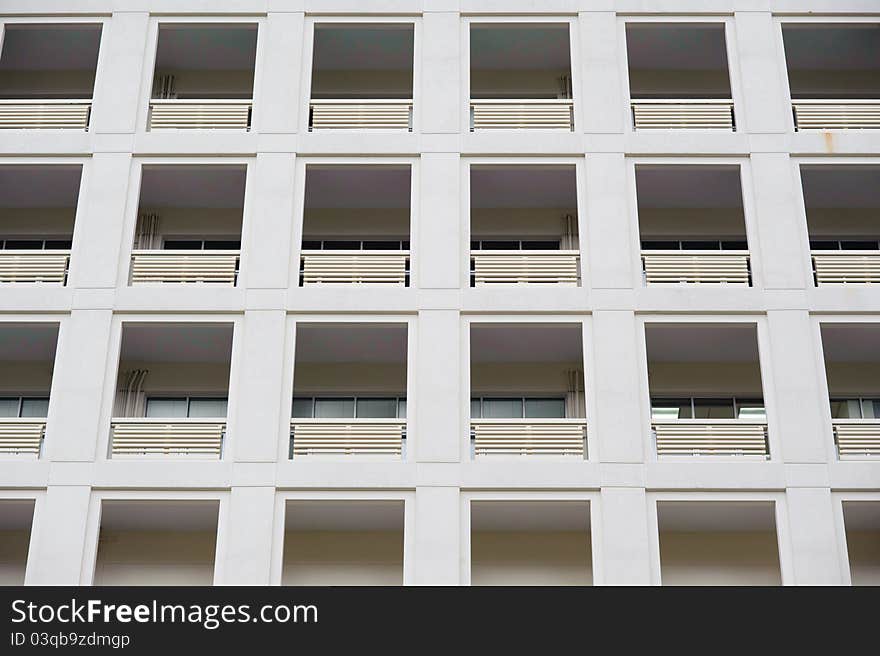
(174, 114)
(718, 437)
(34, 266)
(517, 267)
(731, 267)
(371, 114)
(385, 438)
(158, 266)
(372, 267)
(836, 114)
(22, 437)
(134, 438)
(838, 267)
(526, 437)
(856, 438)
(524, 114)
(45, 114)
(683, 114)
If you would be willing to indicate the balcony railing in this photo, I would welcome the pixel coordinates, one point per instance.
(856, 438)
(350, 267)
(836, 114)
(667, 266)
(34, 266)
(683, 114)
(45, 114)
(525, 114)
(716, 437)
(22, 437)
(174, 114)
(157, 266)
(360, 114)
(384, 438)
(839, 267)
(518, 267)
(145, 438)
(526, 437)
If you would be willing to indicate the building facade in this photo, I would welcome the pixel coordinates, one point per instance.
(440, 292)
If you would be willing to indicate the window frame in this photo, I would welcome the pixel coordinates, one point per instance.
(21, 398)
(188, 398)
(399, 400)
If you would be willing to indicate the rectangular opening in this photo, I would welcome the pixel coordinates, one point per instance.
(862, 522)
(16, 519)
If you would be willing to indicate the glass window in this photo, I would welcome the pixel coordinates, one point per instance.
(662, 409)
(334, 408)
(166, 408)
(502, 408)
(342, 245)
(207, 407)
(34, 407)
(751, 409)
(401, 408)
(310, 245)
(183, 245)
(859, 245)
(845, 409)
(731, 245)
(655, 245)
(377, 408)
(541, 245)
(302, 408)
(24, 244)
(824, 245)
(497, 245)
(545, 408)
(476, 412)
(62, 244)
(381, 245)
(9, 407)
(222, 244)
(713, 409)
(871, 408)
(701, 245)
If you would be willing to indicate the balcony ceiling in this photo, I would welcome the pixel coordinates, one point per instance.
(207, 48)
(50, 47)
(16, 514)
(358, 187)
(28, 342)
(688, 187)
(375, 48)
(530, 516)
(520, 47)
(193, 186)
(707, 342)
(851, 342)
(526, 342)
(160, 515)
(523, 186)
(850, 47)
(177, 342)
(716, 516)
(841, 186)
(691, 47)
(343, 516)
(861, 515)
(39, 186)
(351, 342)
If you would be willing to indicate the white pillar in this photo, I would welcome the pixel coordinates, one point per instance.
(245, 535)
(440, 102)
(278, 105)
(626, 548)
(439, 240)
(57, 546)
(609, 237)
(762, 73)
(817, 557)
(600, 69)
(437, 536)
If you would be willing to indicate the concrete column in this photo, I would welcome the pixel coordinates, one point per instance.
(439, 234)
(440, 102)
(616, 377)
(609, 238)
(600, 69)
(817, 560)
(74, 422)
(762, 73)
(267, 233)
(437, 536)
(626, 547)
(118, 94)
(797, 391)
(258, 415)
(245, 535)
(57, 545)
(277, 108)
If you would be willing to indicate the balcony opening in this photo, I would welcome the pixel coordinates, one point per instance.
(678, 76)
(527, 391)
(862, 522)
(168, 542)
(718, 543)
(349, 391)
(356, 225)
(524, 226)
(707, 398)
(843, 221)
(16, 519)
(189, 225)
(47, 75)
(27, 360)
(343, 543)
(172, 388)
(531, 543)
(852, 368)
(520, 77)
(362, 77)
(203, 76)
(37, 214)
(833, 75)
(692, 225)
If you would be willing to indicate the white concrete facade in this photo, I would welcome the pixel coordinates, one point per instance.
(622, 480)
